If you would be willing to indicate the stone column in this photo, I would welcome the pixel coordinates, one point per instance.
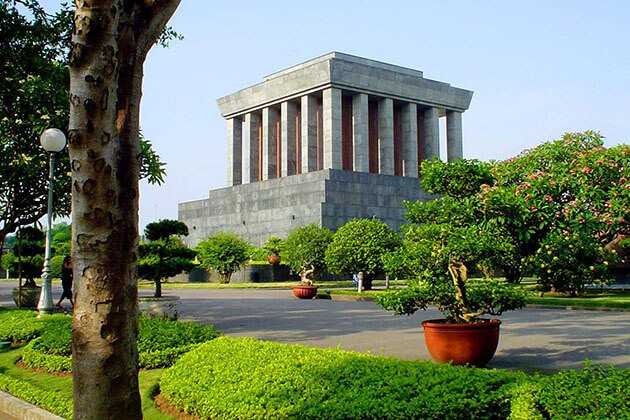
(288, 114)
(360, 133)
(234, 151)
(252, 125)
(431, 133)
(410, 140)
(269, 139)
(454, 134)
(309, 133)
(332, 128)
(386, 136)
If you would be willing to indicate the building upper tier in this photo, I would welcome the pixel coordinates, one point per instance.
(349, 73)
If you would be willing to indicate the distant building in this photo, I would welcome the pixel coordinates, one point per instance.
(332, 139)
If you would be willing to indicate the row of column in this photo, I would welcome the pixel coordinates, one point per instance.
(291, 143)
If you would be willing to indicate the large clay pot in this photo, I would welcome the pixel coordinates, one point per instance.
(273, 259)
(462, 344)
(30, 296)
(305, 292)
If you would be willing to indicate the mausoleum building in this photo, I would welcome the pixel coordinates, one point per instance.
(332, 139)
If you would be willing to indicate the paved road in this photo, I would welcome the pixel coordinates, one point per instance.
(532, 339)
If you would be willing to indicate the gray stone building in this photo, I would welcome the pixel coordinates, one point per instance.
(325, 141)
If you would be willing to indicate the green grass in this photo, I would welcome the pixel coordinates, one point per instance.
(271, 285)
(62, 385)
(588, 299)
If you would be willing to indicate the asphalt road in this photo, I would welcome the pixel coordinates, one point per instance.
(531, 339)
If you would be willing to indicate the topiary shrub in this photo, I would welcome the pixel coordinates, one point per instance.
(358, 246)
(160, 342)
(56, 263)
(305, 250)
(224, 252)
(245, 378)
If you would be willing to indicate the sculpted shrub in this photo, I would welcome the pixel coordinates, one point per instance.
(224, 252)
(358, 246)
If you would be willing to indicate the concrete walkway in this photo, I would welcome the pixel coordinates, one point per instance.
(531, 339)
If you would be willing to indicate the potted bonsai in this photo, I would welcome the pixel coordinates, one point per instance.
(304, 252)
(224, 252)
(163, 256)
(26, 259)
(273, 246)
(436, 257)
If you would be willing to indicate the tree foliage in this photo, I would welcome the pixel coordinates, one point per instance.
(165, 255)
(224, 252)
(358, 246)
(305, 250)
(27, 257)
(34, 85)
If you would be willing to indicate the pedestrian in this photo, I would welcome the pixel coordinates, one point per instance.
(66, 281)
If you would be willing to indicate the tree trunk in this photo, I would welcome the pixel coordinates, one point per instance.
(109, 44)
(158, 288)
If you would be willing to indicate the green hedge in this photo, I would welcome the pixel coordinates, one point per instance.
(245, 378)
(18, 326)
(160, 343)
(45, 399)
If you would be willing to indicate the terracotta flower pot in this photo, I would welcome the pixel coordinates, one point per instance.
(273, 259)
(474, 344)
(305, 292)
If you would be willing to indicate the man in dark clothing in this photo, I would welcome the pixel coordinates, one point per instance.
(66, 281)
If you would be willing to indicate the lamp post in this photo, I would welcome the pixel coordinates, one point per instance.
(52, 140)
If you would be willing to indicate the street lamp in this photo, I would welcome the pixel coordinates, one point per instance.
(53, 140)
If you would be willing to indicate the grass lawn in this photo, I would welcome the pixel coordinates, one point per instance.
(62, 385)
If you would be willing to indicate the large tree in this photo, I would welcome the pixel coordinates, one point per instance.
(34, 84)
(110, 42)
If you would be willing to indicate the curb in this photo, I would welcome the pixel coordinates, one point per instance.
(345, 298)
(12, 408)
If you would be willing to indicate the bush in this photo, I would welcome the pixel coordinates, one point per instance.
(18, 325)
(305, 249)
(56, 263)
(567, 262)
(273, 245)
(458, 179)
(48, 400)
(160, 342)
(245, 378)
(224, 252)
(592, 393)
(358, 246)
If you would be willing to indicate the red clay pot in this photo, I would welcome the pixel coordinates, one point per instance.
(273, 259)
(305, 292)
(462, 344)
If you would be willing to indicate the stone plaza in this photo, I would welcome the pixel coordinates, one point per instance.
(335, 138)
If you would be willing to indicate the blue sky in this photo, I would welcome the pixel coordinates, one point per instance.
(538, 69)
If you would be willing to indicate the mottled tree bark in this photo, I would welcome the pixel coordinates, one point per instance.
(110, 43)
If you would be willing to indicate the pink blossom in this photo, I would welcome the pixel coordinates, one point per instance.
(586, 170)
(621, 220)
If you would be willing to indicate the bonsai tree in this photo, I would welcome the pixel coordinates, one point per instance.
(358, 246)
(224, 252)
(435, 259)
(164, 255)
(305, 249)
(273, 246)
(27, 257)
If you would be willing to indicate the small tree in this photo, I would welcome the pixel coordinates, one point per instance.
(27, 257)
(358, 246)
(224, 252)
(305, 249)
(164, 255)
(273, 246)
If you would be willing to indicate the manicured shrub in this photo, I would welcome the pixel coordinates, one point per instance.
(224, 252)
(358, 246)
(47, 400)
(160, 342)
(56, 263)
(566, 262)
(273, 245)
(305, 249)
(18, 325)
(245, 378)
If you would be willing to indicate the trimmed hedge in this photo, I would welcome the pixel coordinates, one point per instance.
(18, 326)
(160, 343)
(245, 378)
(45, 399)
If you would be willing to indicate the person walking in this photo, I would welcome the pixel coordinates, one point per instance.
(66, 281)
